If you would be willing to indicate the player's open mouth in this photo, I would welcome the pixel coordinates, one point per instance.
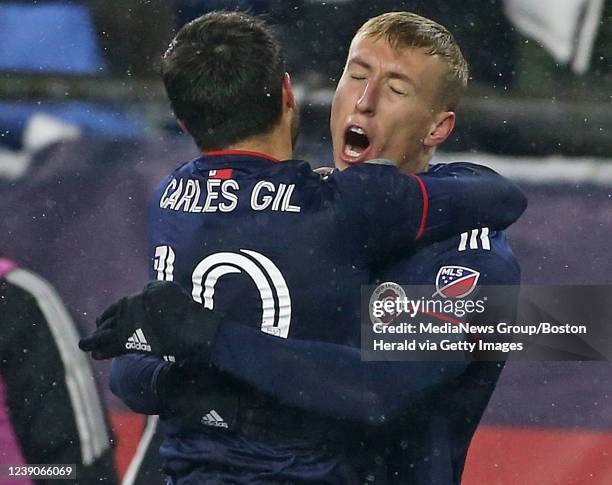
(356, 143)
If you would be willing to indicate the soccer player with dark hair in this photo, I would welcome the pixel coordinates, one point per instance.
(262, 241)
(50, 410)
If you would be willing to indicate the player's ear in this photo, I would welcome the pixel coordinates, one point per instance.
(441, 128)
(288, 97)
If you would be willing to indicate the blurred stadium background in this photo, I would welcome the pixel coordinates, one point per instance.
(86, 132)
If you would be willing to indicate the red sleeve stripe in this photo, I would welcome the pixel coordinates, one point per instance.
(425, 212)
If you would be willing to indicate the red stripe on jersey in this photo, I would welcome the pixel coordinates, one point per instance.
(425, 212)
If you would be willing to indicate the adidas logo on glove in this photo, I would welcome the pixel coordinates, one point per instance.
(213, 418)
(138, 341)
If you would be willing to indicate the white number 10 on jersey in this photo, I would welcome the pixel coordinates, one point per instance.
(272, 287)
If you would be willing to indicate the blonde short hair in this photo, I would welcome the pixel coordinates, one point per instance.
(407, 29)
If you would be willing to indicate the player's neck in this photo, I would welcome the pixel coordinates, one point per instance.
(415, 166)
(272, 144)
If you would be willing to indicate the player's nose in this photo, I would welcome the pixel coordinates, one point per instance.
(366, 103)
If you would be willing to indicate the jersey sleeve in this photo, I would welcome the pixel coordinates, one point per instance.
(468, 396)
(499, 276)
(326, 378)
(389, 210)
(133, 379)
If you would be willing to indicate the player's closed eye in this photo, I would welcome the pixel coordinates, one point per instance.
(398, 91)
(358, 77)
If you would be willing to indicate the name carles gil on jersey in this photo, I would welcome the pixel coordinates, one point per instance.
(189, 195)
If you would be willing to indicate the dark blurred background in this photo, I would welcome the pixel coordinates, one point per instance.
(541, 72)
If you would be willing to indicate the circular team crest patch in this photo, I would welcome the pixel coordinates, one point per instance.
(388, 291)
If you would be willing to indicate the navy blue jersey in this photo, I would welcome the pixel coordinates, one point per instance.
(283, 251)
(246, 235)
(370, 392)
(417, 418)
(428, 434)
(429, 441)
